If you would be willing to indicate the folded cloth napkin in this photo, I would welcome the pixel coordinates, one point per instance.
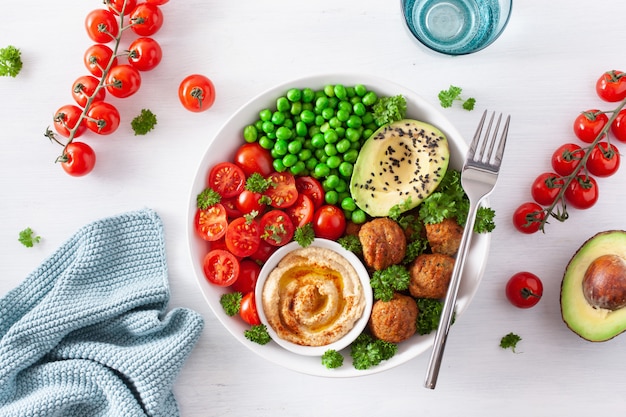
(86, 334)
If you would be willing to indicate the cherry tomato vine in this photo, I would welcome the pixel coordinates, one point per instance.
(576, 167)
(108, 76)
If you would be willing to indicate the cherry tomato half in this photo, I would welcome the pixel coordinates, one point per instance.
(227, 179)
(618, 127)
(211, 223)
(97, 58)
(144, 54)
(582, 192)
(251, 157)
(277, 229)
(196, 93)
(282, 190)
(312, 188)
(146, 19)
(123, 80)
(589, 124)
(604, 160)
(243, 237)
(329, 222)
(524, 289)
(220, 267)
(611, 86)
(78, 159)
(101, 25)
(103, 118)
(527, 217)
(85, 87)
(248, 311)
(566, 158)
(302, 211)
(546, 188)
(66, 118)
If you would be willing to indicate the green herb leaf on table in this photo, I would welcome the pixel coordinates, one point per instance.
(452, 94)
(510, 341)
(144, 122)
(10, 61)
(28, 238)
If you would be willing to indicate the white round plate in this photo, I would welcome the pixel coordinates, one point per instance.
(223, 147)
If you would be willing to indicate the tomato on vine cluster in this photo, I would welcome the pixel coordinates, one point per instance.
(576, 165)
(112, 71)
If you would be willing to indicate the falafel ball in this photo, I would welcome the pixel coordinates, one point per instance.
(383, 241)
(444, 237)
(394, 320)
(430, 275)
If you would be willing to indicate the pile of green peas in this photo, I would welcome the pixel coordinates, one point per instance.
(319, 133)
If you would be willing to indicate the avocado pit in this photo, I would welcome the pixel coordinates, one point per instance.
(604, 283)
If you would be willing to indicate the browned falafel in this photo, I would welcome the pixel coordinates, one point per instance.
(383, 241)
(430, 275)
(444, 237)
(394, 320)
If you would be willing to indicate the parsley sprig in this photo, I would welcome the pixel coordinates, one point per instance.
(10, 61)
(28, 238)
(144, 122)
(453, 94)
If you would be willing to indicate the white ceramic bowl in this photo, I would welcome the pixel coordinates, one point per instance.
(223, 147)
(360, 324)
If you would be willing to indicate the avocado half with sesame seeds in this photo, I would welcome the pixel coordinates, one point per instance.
(593, 290)
(400, 165)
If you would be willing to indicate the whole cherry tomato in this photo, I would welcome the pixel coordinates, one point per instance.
(123, 80)
(196, 93)
(220, 267)
(97, 58)
(604, 160)
(248, 201)
(248, 311)
(582, 192)
(524, 289)
(146, 19)
(144, 54)
(249, 272)
(611, 86)
(251, 157)
(527, 217)
(546, 188)
(78, 159)
(618, 127)
(102, 25)
(566, 158)
(66, 118)
(157, 2)
(103, 118)
(116, 6)
(329, 222)
(589, 124)
(84, 88)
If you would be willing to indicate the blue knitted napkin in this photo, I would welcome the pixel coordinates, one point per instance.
(86, 334)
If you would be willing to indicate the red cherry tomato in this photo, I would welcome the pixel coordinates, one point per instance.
(196, 93)
(251, 157)
(302, 211)
(582, 192)
(276, 228)
(78, 159)
(227, 179)
(249, 201)
(524, 289)
(566, 158)
(102, 25)
(157, 2)
(230, 205)
(146, 19)
(611, 86)
(312, 188)
(546, 188)
(243, 237)
(604, 160)
(264, 252)
(527, 217)
(220, 267)
(103, 118)
(123, 80)
(211, 223)
(329, 222)
(85, 87)
(66, 119)
(618, 127)
(282, 190)
(589, 124)
(117, 6)
(144, 54)
(249, 272)
(248, 311)
(97, 58)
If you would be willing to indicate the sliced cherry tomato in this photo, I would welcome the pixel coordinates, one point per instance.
(85, 87)
(251, 157)
(227, 179)
(248, 311)
(524, 289)
(312, 188)
(211, 223)
(243, 237)
(302, 211)
(230, 204)
(146, 19)
(196, 93)
(264, 252)
(144, 54)
(582, 192)
(249, 201)
(276, 228)
(97, 58)
(527, 218)
(123, 80)
(103, 118)
(618, 127)
(604, 160)
(119, 6)
(566, 158)
(78, 159)
(102, 25)
(589, 124)
(66, 118)
(329, 222)
(249, 272)
(220, 267)
(611, 86)
(546, 188)
(282, 190)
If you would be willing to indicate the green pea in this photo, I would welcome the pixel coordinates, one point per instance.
(250, 133)
(359, 216)
(301, 129)
(370, 98)
(294, 146)
(353, 135)
(318, 141)
(330, 149)
(350, 91)
(367, 118)
(305, 154)
(319, 154)
(351, 155)
(321, 103)
(294, 94)
(298, 169)
(367, 133)
(328, 113)
(333, 102)
(311, 163)
(288, 123)
(345, 105)
(341, 131)
(331, 182)
(329, 90)
(308, 95)
(345, 169)
(360, 90)
(314, 130)
(330, 136)
(268, 126)
(343, 146)
(340, 91)
(342, 186)
(266, 143)
(296, 108)
(333, 161)
(343, 115)
(359, 109)
(321, 170)
(283, 133)
(265, 115)
(319, 120)
(348, 204)
(259, 125)
(282, 104)
(331, 197)
(290, 160)
(278, 117)
(354, 121)
(280, 147)
(307, 116)
(278, 165)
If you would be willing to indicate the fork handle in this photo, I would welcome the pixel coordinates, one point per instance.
(450, 301)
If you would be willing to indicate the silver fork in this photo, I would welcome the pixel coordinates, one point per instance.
(478, 178)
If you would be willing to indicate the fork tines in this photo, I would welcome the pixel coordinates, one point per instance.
(489, 140)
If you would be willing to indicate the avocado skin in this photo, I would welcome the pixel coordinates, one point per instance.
(591, 324)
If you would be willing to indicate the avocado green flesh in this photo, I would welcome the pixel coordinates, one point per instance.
(593, 324)
(401, 164)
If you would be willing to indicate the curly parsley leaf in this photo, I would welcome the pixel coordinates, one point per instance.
(510, 341)
(429, 315)
(367, 352)
(389, 280)
(258, 334)
(332, 359)
(304, 235)
(28, 238)
(207, 198)
(452, 94)
(389, 109)
(231, 303)
(351, 243)
(144, 122)
(10, 61)
(256, 183)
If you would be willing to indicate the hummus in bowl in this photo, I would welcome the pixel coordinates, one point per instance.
(314, 299)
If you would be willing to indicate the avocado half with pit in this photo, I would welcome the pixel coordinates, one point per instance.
(593, 290)
(400, 165)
